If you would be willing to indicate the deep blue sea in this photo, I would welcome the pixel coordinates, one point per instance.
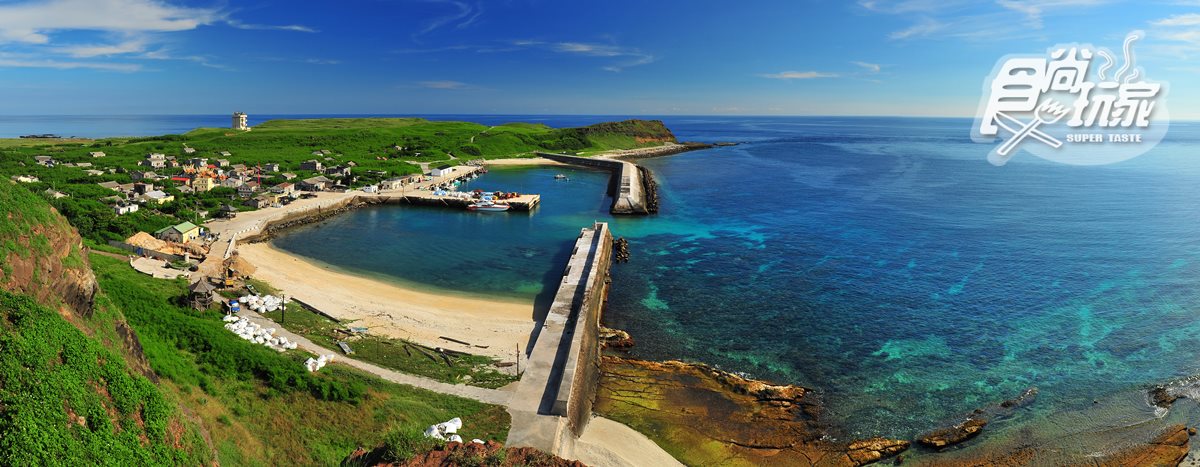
(882, 261)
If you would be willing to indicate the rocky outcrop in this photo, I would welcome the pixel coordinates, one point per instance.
(1168, 448)
(43, 256)
(705, 416)
(950, 436)
(615, 338)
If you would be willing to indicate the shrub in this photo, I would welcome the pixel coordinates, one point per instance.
(404, 443)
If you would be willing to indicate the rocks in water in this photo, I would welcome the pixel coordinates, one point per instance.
(956, 434)
(1024, 399)
(872, 450)
(1162, 397)
(615, 338)
(621, 250)
(736, 420)
(1168, 448)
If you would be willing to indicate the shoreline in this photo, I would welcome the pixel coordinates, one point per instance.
(392, 310)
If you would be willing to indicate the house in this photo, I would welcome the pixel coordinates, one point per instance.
(232, 182)
(122, 209)
(181, 180)
(441, 170)
(114, 186)
(142, 188)
(285, 188)
(189, 151)
(93, 172)
(97, 154)
(392, 184)
(26, 179)
(155, 160)
(46, 161)
(82, 165)
(370, 189)
(272, 167)
(55, 193)
(222, 162)
(198, 162)
(338, 171)
(318, 183)
(181, 233)
(138, 175)
(203, 184)
(158, 197)
(263, 201)
(289, 176)
(225, 153)
(238, 168)
(247, 189)
(313, 165)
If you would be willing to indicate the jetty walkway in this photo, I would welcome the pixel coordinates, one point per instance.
(632, 187)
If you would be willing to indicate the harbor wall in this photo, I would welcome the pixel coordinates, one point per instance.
(627, 185)
(584, 354)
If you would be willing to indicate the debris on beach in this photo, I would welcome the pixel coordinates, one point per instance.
(318, 363)
(445, 431)
(252, 332)
(263, 304)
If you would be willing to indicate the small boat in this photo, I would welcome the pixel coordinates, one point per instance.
(561, 177)
(487, 206)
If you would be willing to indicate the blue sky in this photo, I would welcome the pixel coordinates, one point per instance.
(872, 57)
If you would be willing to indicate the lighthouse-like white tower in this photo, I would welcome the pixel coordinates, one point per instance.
(240, 121)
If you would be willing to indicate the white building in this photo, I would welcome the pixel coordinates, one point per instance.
(441, 170)
(122, 209)
(240, 121)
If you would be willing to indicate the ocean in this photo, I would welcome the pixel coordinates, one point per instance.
(881, 261)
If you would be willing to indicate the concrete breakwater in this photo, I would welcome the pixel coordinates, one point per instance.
(627, 185)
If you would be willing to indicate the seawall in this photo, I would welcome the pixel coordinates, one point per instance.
(627, 185)
(553, 401)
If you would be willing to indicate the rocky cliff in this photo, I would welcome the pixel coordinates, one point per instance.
(41, 255)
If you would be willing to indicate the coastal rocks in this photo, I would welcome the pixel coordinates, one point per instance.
(311, 217)
(872, 450)
(1161, 396)
(621, 250)
(705, 416)
(650, 188)
(950, 436)
(615, 339)
(1169, 448)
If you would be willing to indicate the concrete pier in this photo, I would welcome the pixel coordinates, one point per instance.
(553, 401)
(628, 184)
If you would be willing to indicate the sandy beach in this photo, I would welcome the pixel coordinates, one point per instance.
(523, 161)
(391, 310)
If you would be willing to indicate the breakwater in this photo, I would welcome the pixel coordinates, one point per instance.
(553, 401)
(628, 185)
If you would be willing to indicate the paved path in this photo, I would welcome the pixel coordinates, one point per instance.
(491, 396)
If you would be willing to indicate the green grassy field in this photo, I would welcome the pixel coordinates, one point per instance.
(397, 354)
(378, 148)
(261, 407)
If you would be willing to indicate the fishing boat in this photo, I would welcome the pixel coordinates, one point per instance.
(561, 177)
(487, 206)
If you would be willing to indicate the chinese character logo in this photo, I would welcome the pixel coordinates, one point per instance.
(1070, 106)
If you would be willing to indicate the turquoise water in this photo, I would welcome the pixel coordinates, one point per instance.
(881, 261)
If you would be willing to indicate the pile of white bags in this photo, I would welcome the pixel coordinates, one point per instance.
(445, 431)
(252, 332)
(263, 304)
(318, 363)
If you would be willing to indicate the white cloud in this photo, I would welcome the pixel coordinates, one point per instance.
(1190, 19)
(464, 15)
(268, 27)
(973, 20)
(790, 75)
(18, 61)
(629, 57)
(871, 67)
(102, 50)
(33, 21)
(443, 84)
